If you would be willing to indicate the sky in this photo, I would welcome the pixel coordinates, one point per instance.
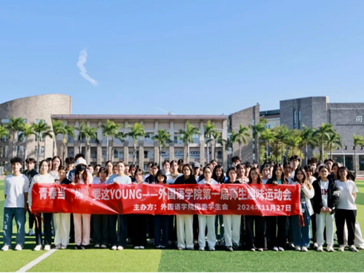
(184, 57)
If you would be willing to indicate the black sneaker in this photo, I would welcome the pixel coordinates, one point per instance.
(235, 246)
(229, 248)
(77, 247)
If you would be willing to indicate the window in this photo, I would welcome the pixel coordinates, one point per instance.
(299, 119)
(41, 151)
(219, 154)
(37, 121)
(345, 147)
(196, 139)
(177, 140)
(93, 152)
(119, 153)
(104, 153)
(195, 154)
(25, 121)
(20, 151)
(3, 151)
(294, 119)
(5, 120)
(71, 152)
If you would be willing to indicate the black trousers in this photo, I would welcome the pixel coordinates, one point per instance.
(277, 239)
(31, 219)
(118, 238)
(348, 216)
(47, 229)
(313, 224)
(139, 229)
(100, 229)
(257, 240)
(195, 227)
(172, 228)
(161, 225)
(243, 230)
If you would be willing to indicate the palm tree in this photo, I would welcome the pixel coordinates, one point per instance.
(58, 128)
(323, 135)
(186, 137)
(294, 141)
(110, 129)
(162, 137)
(25, 134)
(209, 129)
(217, 136)
(333, 142)
(307, 139)
(87, 133)
(242, 137)
(41, 130)
(257, 130)
(268, 137)
(136, 131)
(3, 133)
(64, 130)
(282, 133)
(14, 126)
(358, 141)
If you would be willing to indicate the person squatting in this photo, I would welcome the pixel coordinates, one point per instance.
(327, 199)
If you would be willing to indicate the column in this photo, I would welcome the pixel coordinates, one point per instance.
(126, 152)
(202, 144)
(76, 142)
(171, 145)
(141, 153)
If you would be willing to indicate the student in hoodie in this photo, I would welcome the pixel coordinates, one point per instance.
(118, 239)
(100, 222)
(207, 220)
(218, 176)
(324, 204)
(346, 209)
(257, 241)
(232, 222)
(43, 177)
(185, 222)
(30, 172)
(277, 240)
(301, 232)
(161, 222)
(62, 221)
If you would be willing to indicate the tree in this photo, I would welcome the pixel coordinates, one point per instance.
(60, 129)
(268, 137)
(333, 142)
(257, 130)
(25, 134)
(136, 131)
(14, 126)
(358, 141)
(87, 133)
(41, 130)
(110, 129)
(307, 139)
(209, 131)
(242, 136)
(282, 133)
(217, 136)
(3, 133)
(323, 135)
(186, 137)
(162, 137)
(294, 142)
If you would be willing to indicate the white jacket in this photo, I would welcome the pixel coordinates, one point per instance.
(309, 194)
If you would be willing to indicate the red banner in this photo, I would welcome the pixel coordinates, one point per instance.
(242, 199)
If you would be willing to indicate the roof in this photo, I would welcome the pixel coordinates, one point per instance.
(141, 117)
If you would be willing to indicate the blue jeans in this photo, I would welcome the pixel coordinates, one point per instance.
(301, 235)
(9, 214)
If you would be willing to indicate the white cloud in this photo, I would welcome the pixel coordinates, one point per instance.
(82, 59)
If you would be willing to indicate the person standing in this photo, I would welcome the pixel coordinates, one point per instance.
(82, 221)
(16, 187)
(30, 172)
(207, 220)
(161, 222)
(56, 164)
(346, 209)
(118, 240)
(185, 222)
(43, 178)
(325, 201)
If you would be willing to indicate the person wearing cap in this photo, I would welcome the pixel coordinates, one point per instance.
(118, 241)
(82, 221)
(161, 222)
(196, 171)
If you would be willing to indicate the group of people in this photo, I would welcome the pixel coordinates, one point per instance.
(327, 198)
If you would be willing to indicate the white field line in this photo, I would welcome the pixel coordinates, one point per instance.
(36, 261)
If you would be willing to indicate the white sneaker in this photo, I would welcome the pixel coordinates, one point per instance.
(58, 246)
(298, 248)
(315, 245)
(260, 249)
(341, 248)
(38, 248)
(63, 247)
(141, 247)
(136, 247)
(47, 247)
(103, 246)
(320, 249)
(361, 246)
(280, 248)
(330, 248)
(304, 249)
(114, 248)
(120, 248)
(202, 249)
(275, 248)
(18, 248)
(252, 249)
(97, 246)
(352, 248)
(5, 248)
(31, 232)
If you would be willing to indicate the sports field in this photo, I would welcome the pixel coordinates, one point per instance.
(174, 260)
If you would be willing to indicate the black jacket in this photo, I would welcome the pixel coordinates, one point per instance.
(30, 175)
(332, 199)
(181, 180)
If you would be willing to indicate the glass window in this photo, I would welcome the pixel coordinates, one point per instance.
(41, 151)
(294, 119)
(119, 153)
(196, 139)
(5, 120)
(71, 152)
(20, 151)
(104, 153)
(37, 121)
(93, 152)
(25, 121)
(299, 119)
(219, 154)
(361, 162)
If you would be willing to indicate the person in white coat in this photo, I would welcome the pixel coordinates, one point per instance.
(232, 223)
(207, 220)
(301, 231)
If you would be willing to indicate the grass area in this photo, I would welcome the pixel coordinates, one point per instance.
(174, 260)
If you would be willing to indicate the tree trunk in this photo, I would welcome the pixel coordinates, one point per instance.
(306, 154)
(160, 157)
(207, 151)
(240, 153)
(64, 152)
(38, 153)
(215, 143)
(54, 146)
(330, 151)
(257, 151)
(354, 158)
(135, 154)
(322, 151)
(107, 148)
(266, 151)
